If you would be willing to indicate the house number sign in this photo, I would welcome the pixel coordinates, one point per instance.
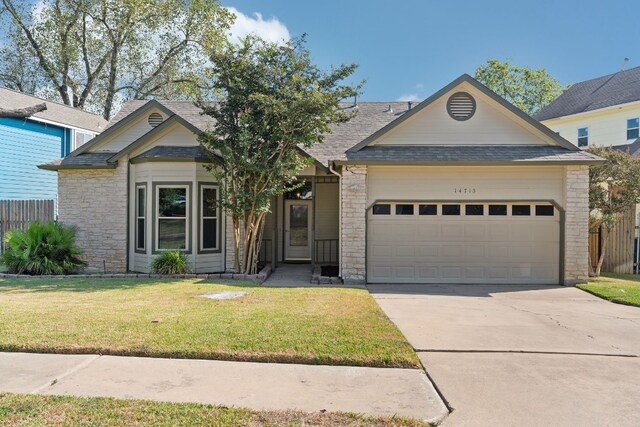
(468, 190)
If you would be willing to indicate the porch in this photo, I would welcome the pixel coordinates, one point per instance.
(304, 224)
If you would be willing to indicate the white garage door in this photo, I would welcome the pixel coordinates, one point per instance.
(470, 242)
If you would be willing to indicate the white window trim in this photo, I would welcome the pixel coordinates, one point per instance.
(158, 217)
(201, 218)
(143, 217)
(578, 136)
(628, 128)
(74, 138)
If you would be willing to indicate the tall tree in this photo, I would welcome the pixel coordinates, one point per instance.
(275, 102)
(526, 88)
(614, 188)
(92, 54)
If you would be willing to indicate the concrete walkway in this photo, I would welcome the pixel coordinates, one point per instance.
(294, 275)
(523, 355)
(370, 391)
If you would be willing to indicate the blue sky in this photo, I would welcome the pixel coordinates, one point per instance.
(411, 48)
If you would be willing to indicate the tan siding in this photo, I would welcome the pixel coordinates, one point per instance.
(489, 125)
(489, 183)
(605, 127)
(125, 136)
(175, 136)
(327, 211)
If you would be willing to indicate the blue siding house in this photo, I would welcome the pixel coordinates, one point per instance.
(27, 142)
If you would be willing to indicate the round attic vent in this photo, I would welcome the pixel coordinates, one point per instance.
(461, 106)
(155, 119)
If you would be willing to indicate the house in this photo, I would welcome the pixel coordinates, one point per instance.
(461, 188)
(604, 111)
(27, 142)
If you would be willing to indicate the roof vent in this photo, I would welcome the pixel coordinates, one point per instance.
(461, 106)
(389, 109)
(155, 119)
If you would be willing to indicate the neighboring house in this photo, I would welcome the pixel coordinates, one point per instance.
(462, 188)
(27, 142)
(604, 111)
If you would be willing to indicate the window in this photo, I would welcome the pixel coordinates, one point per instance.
(474, 210)
(382, 209)
(633, 128)
(81, 138)
(498, 210)
(544, 210)
(208, 218)
(428, 210)
(171, 224)
(141, 209)
(583, 137)
(450, 209)
(404, 209)
(520, 210)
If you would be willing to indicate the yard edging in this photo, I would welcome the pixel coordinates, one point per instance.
(258, 278)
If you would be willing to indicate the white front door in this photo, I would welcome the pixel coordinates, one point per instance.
(297, 230)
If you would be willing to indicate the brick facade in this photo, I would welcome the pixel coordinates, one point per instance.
(354, 224)
(576, 249)
(95, 202)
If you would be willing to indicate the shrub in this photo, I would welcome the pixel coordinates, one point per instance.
(44, 248)
(171, 262)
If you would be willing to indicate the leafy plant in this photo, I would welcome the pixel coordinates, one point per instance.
(171, 262)
(44, 248)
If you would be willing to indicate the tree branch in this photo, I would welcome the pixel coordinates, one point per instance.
(21, 113)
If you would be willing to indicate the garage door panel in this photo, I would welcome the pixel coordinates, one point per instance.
(463, 249)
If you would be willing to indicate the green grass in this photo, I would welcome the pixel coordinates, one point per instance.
(31, 410)
(167, 318)
(619, 288)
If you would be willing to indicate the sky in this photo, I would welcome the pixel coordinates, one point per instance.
(408, 49)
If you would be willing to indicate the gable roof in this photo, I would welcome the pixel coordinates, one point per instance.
(465, 78)
(622, 87)
(55, 112)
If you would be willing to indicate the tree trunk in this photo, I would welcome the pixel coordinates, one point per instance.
(603, 236)
(21, 113)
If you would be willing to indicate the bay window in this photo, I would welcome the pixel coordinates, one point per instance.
(141, 214)
(208, 218)
(172, 203)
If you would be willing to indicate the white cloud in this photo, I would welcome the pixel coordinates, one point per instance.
(270, 29)
(412, 97)
(419, 86)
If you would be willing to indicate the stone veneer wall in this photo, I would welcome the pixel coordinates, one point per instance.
(354, 224)
(576, 250)
(95, 202)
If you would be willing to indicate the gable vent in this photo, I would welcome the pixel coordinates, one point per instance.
(461, 106)
(155, 119)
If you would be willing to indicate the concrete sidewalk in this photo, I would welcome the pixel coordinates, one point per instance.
(370, 391)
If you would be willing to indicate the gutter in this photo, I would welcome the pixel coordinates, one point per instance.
(468, 163)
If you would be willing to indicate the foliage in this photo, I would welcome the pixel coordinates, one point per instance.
(92, 54)
(44, 248)
(526, 88)
(170, 262)
(317, 326)
(275, 103)
(614, 187)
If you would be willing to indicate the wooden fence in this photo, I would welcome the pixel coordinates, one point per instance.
(619, 252)
(18, 214)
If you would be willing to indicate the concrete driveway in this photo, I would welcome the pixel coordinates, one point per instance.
(523, 355)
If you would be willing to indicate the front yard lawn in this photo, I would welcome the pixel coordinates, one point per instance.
(24, 409)
(167, 318)
(620, 288)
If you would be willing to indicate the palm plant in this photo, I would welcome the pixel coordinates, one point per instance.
(45, 248)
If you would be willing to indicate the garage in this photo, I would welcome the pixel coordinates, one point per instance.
(463, 242)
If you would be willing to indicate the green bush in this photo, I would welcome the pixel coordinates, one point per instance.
(171, 262)
(44, 248)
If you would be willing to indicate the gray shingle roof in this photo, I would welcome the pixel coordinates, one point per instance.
(632, 148)
(85, 160)
(171, 152)
(59, 113)
(606, 91)
(468, 154)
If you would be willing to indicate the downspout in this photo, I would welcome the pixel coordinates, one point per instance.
(333, 171)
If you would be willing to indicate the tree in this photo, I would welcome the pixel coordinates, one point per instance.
(91, 54)
(275, 102)
(614, 187)
(526, 88)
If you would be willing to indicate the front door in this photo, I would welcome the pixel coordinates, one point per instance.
(297, 230)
